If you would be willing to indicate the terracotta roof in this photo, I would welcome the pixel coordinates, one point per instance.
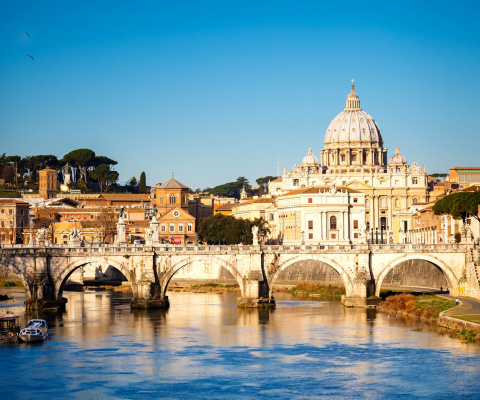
(173, 184)
(261, 200)
(319, 189)
(125, 197)
(226, 206)
(472, 168)
(13, 201)
(277, 180)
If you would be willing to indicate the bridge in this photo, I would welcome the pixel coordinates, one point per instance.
(45, 269)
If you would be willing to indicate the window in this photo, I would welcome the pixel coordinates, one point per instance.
(310, 235)
(172, 227)
(3, 224)
(161, 199)
(163, 228)
(295, 182)
(383, 202)
(414, 181)
(343, 157)
(10, 212)
(368, 226)
(355, 235)
(21, 211)
(355, 200)
(333, 222)
(310, 224)
(3, 211)
(398, 169)
(173, 199)
(397, 203)
(180, 227)
(354, 157)
(310, 200)
(10, 223)
(355, 223)
(184, 199)
(367, 203)
(189, 227)
(21, 223)
(415, 200)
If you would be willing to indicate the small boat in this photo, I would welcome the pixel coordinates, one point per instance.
(9, 328)
(35, 331)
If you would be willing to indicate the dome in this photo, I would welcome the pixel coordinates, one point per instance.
(353, 125)
(310, 159)
(398, 158)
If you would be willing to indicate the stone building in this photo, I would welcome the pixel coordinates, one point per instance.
(13, 220)
(354, 157)
(321, 215)
(47, 187)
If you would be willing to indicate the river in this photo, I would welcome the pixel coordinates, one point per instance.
(204, 347)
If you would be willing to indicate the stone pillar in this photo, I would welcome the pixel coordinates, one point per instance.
(121, 231)
(320, 220)
(154, 228)
(149, 295)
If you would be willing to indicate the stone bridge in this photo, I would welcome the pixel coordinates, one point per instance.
(44, 270)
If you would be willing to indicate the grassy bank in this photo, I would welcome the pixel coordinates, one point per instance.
(11, 283)
(426, 307)
(204, 287)
(313, 289)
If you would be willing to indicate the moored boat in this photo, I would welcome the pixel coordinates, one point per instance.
(9, 328)
(35, 331)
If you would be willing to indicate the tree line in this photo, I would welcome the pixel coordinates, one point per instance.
(85, 167)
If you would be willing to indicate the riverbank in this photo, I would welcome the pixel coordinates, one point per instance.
(431, 309)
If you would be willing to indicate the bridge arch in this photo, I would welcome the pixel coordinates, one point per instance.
(347, 282)
(17, 267)
(447, 271)
(170, 273)
(62, 277)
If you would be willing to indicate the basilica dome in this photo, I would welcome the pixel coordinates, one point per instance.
(398, 158)
(353, 125)
(310, 159)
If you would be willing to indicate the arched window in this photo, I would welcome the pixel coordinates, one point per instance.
(414, 200)
(397, 203)
(173, 199)
(383, 202)
(184, 199)
(333, 222)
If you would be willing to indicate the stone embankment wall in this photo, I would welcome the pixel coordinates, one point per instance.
(457, 324)
(416, 273)
(310, 270)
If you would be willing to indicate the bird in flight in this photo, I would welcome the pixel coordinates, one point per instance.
(26, 33)
(28, 55)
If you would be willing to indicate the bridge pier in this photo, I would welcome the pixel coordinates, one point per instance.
(255, 295)
(149, 295)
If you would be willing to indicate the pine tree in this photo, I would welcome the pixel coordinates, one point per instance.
(142, 186)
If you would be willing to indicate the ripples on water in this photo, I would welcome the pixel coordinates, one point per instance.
(204, 347)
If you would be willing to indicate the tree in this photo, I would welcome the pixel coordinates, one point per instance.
(106, 224)
(103, 160)
(227, 229)
(231, 189)
(263, 183)
(142, 186)
(14, 162)
(459, 205)
(8, 173)
(83, 158)
(104, 176)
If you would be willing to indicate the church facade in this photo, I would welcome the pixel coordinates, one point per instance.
(354, 158)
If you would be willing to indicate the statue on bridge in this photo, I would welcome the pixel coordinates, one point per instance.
(42, 235)
(76, 237)
(255, 235)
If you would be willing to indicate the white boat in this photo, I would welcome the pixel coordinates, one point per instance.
(35, 331)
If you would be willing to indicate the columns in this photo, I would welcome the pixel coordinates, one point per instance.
(372, 212)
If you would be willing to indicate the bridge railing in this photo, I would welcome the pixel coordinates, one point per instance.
(169, 248)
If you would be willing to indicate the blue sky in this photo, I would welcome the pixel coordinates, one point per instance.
(213, 90)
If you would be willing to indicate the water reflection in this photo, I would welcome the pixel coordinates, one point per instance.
(204, 346)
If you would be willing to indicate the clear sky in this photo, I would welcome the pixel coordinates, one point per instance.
(213, 90)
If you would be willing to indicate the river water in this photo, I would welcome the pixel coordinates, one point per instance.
(204, 347)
